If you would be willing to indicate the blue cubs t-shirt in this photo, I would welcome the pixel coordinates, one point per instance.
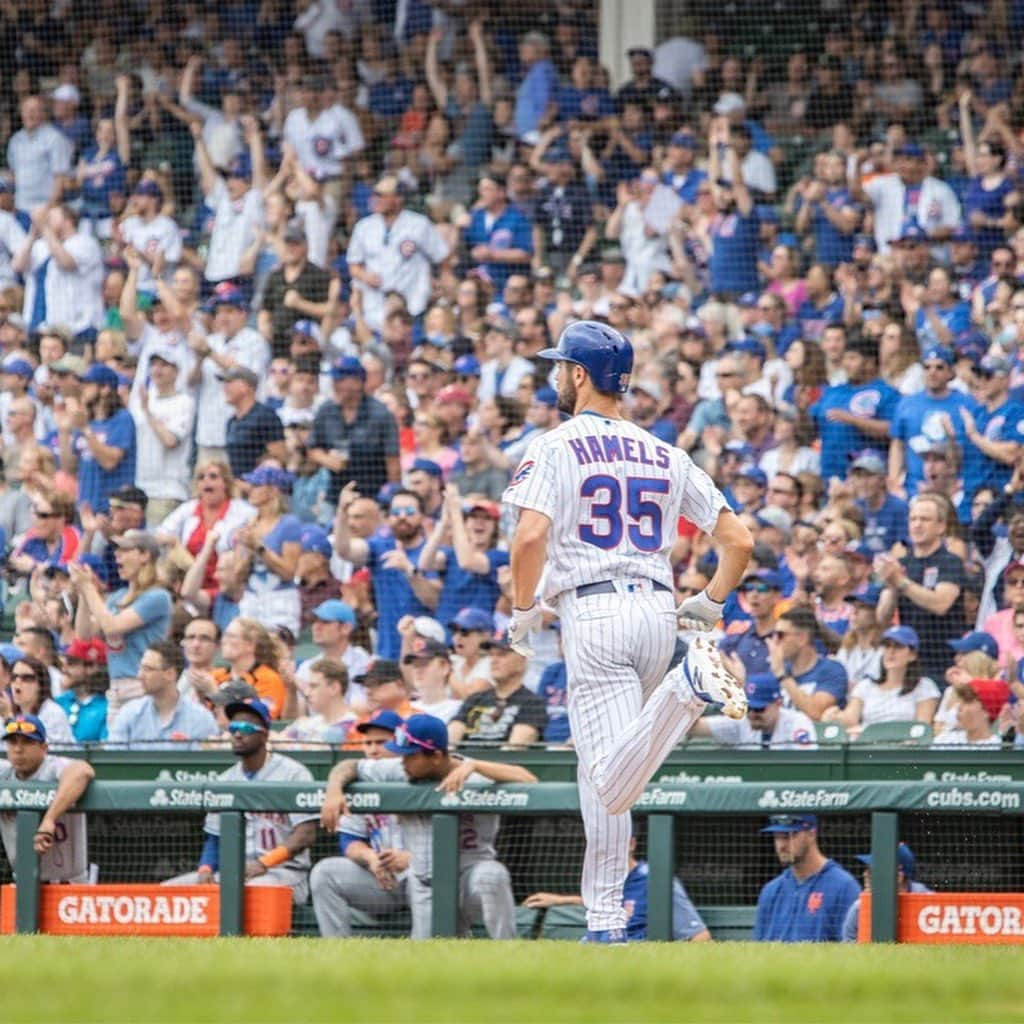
(875, 400)
(96, 484)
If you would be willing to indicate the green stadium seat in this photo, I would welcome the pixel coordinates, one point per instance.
(729, 924)
(913, 734)
(831, 732)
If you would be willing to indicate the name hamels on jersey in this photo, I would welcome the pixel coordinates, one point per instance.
(613, 493)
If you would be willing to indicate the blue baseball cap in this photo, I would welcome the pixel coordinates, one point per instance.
(685, 139)
(912, 233)
(904, 858)
(790, 823)
(240, 167)
(427, 466)
(903, 635)
(976, 641)
(868, 459)
(307, 328)
(939, 352)
(10, 653)
(761, 690)
(270, 476)
(911, 149)
(740, 449)
(748, 300)
(253, 704)
(768, 576)
(546, 396)
(865, 242)
(382, 719)
(227, 295)
(467, 366)
(473, 618)
(335, 610)
(420, 734)
(19, 367)
(101, 374)
(348, 366)
(751, 345)
(962, 234)
(29, 726)
(148, 187)
(315, 541)
(869, 595)
(754, 474)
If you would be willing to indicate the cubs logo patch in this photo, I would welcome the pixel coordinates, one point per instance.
(865, 403)
(802, 736)
(524, 470)
(407, 248)
(814, 902)
(321, 145)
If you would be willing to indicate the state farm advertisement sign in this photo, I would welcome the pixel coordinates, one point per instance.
(953, 918)
(149, 910)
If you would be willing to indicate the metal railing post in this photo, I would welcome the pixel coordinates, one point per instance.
(26, 902)
(661, 858)
(232, 872)
(885, 833)
(444, 883)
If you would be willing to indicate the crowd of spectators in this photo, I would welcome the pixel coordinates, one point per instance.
(274, 281)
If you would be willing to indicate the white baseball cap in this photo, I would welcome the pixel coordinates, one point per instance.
(67, 93)
(429, 629)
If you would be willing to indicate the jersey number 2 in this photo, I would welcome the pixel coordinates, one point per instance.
(643, 514)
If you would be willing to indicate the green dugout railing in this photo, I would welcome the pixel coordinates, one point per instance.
(663, 804)
(691, 764)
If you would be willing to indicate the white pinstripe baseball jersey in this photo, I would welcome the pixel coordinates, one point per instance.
(613, 492)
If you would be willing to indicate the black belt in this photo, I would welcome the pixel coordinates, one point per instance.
(607, 587)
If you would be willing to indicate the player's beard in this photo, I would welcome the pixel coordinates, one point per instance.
(566, 391)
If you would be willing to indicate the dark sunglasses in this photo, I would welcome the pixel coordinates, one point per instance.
(25, 677)
(757, 588)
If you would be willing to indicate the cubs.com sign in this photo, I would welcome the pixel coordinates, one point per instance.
(953, 918)
(157, 910)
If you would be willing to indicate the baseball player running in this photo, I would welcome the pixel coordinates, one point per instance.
(599, 498)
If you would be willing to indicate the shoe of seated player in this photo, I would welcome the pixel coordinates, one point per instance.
(609, 937)
(709, 680)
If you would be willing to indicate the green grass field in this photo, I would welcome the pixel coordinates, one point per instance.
(252, 980)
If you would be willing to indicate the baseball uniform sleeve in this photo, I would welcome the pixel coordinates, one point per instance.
(701, 501)
(533, 484)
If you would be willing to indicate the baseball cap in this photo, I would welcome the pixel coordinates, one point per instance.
(335, 610)
(912, 233)
(94, 651)
(685, 139)
(138, 540)
(242, 373)
(865, 242)
(498, 642)
(148, 187)
(348, 366)
(869, 595)
(228, 294)
(640, 51)
(868, 460)
(420, 734)
(381, 670)
(72, 365)
(993, 694)
(547, 396)
(995, 365)
(790, 823)
(754, 474)
(166, 354)
(423, 648)
(912, 149)
(314, 541)
(751, 345)
(294, 232)
(976, 641)
(67, 93)
(382, 719)
(270, 476)
(307, 328)
(10, 653)
(29, 726)
(775, 517)
(19, 367)
(233, 691)
(729, 103)
(467, 366)
(739, 449)
(129, 495)
(939, 352)
(453, 393)
(904, 858)
(768, 576)
(473, 618)
(748, 300)
(903, 635)
(427, 466)
(253, 704)
(488, 508)
(241, 167)
(761, 690)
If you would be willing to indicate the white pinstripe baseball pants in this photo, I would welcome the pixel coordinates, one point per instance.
(624, 722)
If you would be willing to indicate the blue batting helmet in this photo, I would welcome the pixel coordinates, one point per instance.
(604, 353)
